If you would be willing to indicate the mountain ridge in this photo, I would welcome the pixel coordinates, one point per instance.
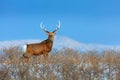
(59, 43)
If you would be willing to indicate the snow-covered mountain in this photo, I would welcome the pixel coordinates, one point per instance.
(59, 43)
(65, 42)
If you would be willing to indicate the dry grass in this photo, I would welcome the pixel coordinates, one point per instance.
(65, 64)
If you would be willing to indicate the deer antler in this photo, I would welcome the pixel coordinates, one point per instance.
(57, 28)
(43, 28)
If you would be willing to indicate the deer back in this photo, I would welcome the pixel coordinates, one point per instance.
(39, 48)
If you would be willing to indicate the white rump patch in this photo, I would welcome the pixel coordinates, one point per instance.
(24, 48)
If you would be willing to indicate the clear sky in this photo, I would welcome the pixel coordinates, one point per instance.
(87, 21)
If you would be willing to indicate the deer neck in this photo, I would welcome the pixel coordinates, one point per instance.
(51, 38)
(50, 42)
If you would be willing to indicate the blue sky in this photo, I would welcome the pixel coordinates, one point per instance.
(87, 21)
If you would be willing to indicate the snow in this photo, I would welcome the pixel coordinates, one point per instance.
(60, 42)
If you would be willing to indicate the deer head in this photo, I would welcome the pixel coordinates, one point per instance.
(50, 34)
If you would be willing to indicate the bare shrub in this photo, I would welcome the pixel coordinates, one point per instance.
(65, 64)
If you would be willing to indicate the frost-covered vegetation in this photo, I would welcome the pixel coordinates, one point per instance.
(64, 64)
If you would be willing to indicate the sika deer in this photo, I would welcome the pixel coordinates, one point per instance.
(42, 48)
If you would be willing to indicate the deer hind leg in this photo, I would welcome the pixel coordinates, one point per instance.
(26, 57)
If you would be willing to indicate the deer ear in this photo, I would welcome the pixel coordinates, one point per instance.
(54, 32)
(47, 32)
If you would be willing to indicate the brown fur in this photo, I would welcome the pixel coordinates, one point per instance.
(39, 48)
(42, 48)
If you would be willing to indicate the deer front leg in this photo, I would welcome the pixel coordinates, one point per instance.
(46, 57)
